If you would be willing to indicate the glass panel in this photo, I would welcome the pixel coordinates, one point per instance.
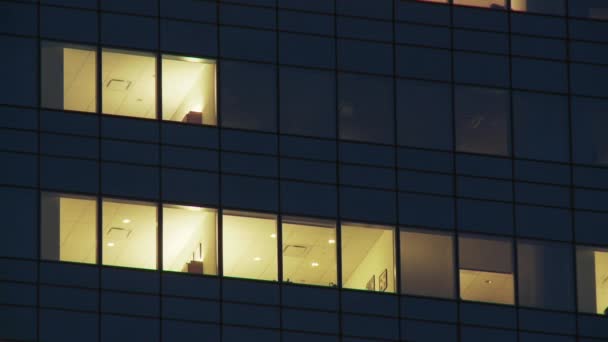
(592, 279)
(497, 4)
(555, 7)
(129, 83)
(424, 114)
(365, 108)
(248, 95)
(541, 126)
(189, 239)
(427, 264)
(486, 269)
(68, 229)
(189, 90)
(545, 274)
(590, 140)
(299, 113)
(68, 77)
(593, 9)
(250, 245)
(129, 233)
(309, 251)
(368, 257)
(482, 120)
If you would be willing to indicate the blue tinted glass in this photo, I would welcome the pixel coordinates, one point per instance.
(300, 115)
(365, 108)
(482, 120)
(541, 126)
(589, 136)
(248, 96)
(424, 114)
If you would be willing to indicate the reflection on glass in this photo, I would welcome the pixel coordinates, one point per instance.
(67, 76)
(309, 251)
(592, 279)
(189, 239)
(189, 90)
(250, 245)
(365, 108)
(68, 228)
(129, 233)
(486, 269)
(555, 7)
(545, 273)
(368, 257)
(129, 83)
(482, 120)
(496, 4)
(427, 263)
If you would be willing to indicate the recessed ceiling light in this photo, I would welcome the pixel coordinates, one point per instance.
(126, 221)
(257, 259)
(110, 244)
(488, 281)
(314, 264)
(273, 235)
(331, 241)
(192, 208)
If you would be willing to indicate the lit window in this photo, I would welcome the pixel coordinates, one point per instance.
(497, 4)
(68, 228)
(129, 231)
(250, 245)
(189, 90)
(189, 239)
(427, 263)
(309, 251)
(368, 257)
(129, 83)
(592, 279)
(68, 76)
(555, 7)
(486, 269)
(544, 275)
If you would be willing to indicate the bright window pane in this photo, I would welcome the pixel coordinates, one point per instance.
(68, 77)
(309, 251)
(129, 83)
(189, 239)
(129, 233)
(250, 245)
(189, 90)
(427, 264)
(555, 7)
(498, 4)
(592, 283)
(486, 269)
(368, 257)
(545, 274)
(68, 228)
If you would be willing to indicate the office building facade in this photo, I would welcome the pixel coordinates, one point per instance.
(304, 170)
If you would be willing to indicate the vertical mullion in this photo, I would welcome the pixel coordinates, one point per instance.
(159, 203)
(220, 210)
(99, 110)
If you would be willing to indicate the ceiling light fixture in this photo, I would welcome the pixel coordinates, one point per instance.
(488, 281)
(110, 244)
(257, 259)
(314, 264)
(126, 221)
(331, 241)
(273, 235)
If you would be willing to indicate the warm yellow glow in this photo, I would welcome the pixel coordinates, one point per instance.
(601, 280)
(500, 4)
(314, 264)
(273, 235)
(126, 221)
(368, 257)
(331, 241)
(189, 90)
(488, 287)
(257, 259)
(110, 244)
